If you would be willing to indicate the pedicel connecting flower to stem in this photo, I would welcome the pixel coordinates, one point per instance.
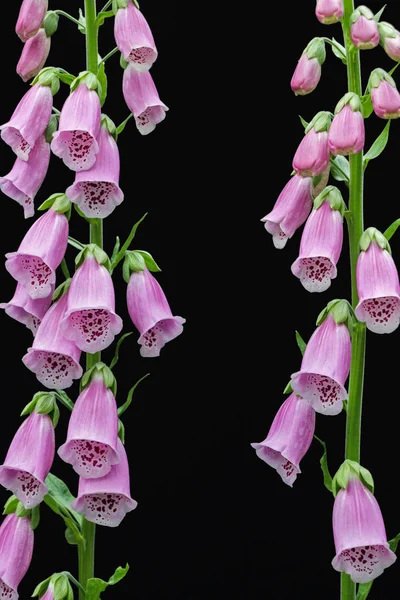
(80, 314)
(336, 349)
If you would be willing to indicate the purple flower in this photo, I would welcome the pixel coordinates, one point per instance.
(321, 243)
(378, 285)
(362, 549)
(134, 38)
(325, 368)
(29, 459)
(28, 121)
(306, 76)
(289, 438)
(16, 549)
(34, 55)
(22, 308)
(96, 191)
(384, 95)
(347, 132)
(39, 254)
(329, 11)
(312, 155)
(30, 18)
(106, 500)
(23, 182)
(150, 313)
(290, 211)
(364, 29)
(76, 139)
(91, 446)
(143, 100)
(90, 319)
(53, 358)
(390, 40)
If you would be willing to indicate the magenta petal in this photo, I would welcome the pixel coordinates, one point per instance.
(91, 446)
(134, 38)
(386, 101)
(362, 549)
(106, 500)
(22, 308)
(34, 55)
(347, 132)
(142, 99)
(312, 155)
(30, 18)
(364, 33)
(329, 11)
(16, 549)
(306, 75)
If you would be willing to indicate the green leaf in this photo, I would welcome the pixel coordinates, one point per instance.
(324, 466)
(119, 574)
(102, 77)
(116, 355)
(303, 122)
(340, 169)
(95, 585)
(394, 543)
(378, 15)
(71, 537)
(75, 243)
(363, 590)
(64, 399)
(288, 389)
(391, 230)
(126, 404)
(339, 51)
(66, 77)
(116, 248)
(60, 493)
(378, 146)
(122, 125)
(367, 106)
(128, 242)
(35, 517)
(11, 505)
(301, 343)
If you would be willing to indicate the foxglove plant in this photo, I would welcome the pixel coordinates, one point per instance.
(336, 349)
(80, 314)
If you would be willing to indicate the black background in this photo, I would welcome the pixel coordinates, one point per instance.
(213, 520)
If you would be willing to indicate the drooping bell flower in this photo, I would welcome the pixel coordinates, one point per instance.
(347, 132)
(53, 358)
(16, 549)
(325, 367)
(90, 320)
(30, 18)
(362, 549)
(91, 446)
(76, 139)
(290, 210)
(106, 500)
(133, 37)
(34, 55)
(321, 242)
(288, 439)
(39, 254)
(142, 99)
(22, 308)
(24, 180)
(308, 71)
(329, 11)
(150, 313)
(377, 284)
(56, 587)
(29, 459)
(29, 120)
(384, 95)
(312, 155)
(390, 40)
(364, 31)
(96, 191)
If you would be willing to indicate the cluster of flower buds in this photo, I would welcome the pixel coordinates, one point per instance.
(362, 549)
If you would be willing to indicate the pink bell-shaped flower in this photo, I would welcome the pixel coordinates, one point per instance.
(290, 210)
(90, 320)
(134, 38)
(29, 459)
(312, 155)
(91, 446)
(308, 71)
(16, 549)
(39, 254)
(329, 11)
(53, 358)
(321, 242)
(325, 367)
(24, 180)
(142, 99)
(22, 308)
(390, 40)
(76, 139)
(34, 55)
(347, 132)
(106, 500)
(96, 191)
(30, 18)
(28, 121)
(289, 438)
(364, 31)
(384, 95)
(377, 284)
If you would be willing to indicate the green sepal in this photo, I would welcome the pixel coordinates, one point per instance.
(332, 195)
(303, 122)
(95, 251)
(11, 505)
(366, 105)
(378, 15)
(109, 125)
(352, 100)
(102, 83)
(316, 49)
(374, 235)
(136, 261)
(340, 169)
(50, 22)
(48, 76)
(341, 311)
(121, 431)
(391, 230)
(288, 389)
(339, 51)
(362, 11)
(103, 15)
(128, 401)
(95, 586)
(21, 511)
(51, 128)
(61, 290)
(44, 403)
(378, 146)
(377, 76)
(321, 122)
(80, 213)
(123, 63)
(35, 517)
(386, 30)
(41, 588)
(88, 78)
(59, 202)
(324, 466)
(349, 470)
(100, 370)
(63, 397)
(301, 343)
(71, 538)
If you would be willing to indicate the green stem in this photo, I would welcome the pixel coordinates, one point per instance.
(106, 6)
(64, 14)
(356, 228)
(65, 270)
(109, 55)
(86, 550)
